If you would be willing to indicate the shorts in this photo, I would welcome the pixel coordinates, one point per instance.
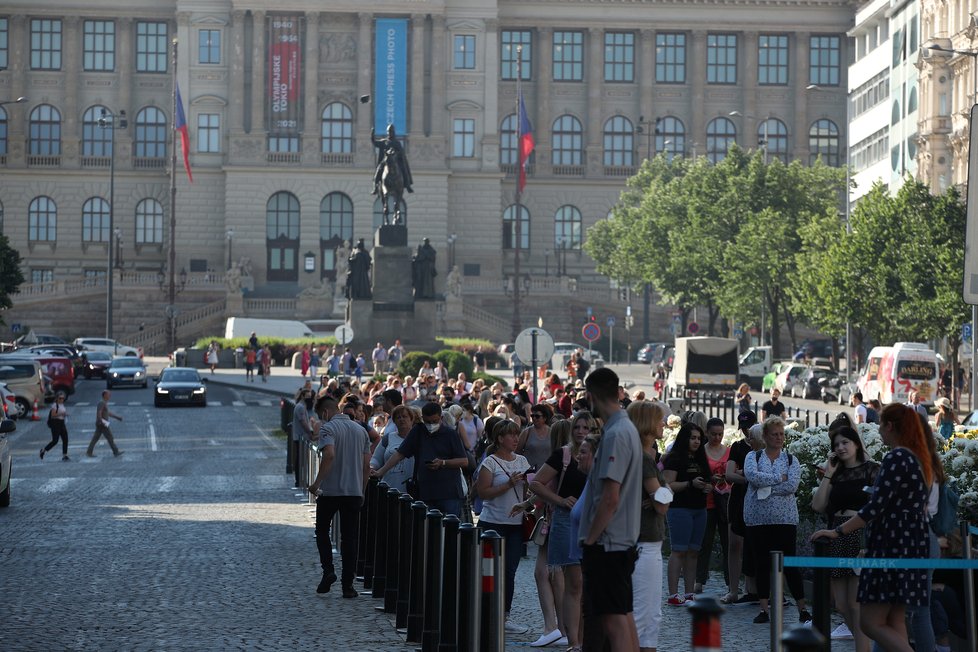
(559, 540)
(607, 580)
(686, 528)
(735, 516)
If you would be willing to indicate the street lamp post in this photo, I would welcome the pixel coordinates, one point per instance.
(974, 308)
(452, 238)
(109, 120)
(230, 237)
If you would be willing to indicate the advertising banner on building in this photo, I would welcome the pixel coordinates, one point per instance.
(284, 74)
(391, 78)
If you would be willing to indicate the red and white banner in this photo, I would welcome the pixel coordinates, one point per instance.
(284, 74)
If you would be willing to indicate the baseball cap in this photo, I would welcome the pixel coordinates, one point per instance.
(746, 419)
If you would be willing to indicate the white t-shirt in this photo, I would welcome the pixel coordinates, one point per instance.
(860, 413)
(496, 510)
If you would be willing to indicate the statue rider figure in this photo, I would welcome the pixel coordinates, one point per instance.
(382, 145)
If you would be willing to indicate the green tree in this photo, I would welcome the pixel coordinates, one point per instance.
(11, 277)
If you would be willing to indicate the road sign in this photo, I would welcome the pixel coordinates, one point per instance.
(591, 332)
(693, 328)
(524, 346)
(966, 332)
(343, 334)
(611, 322)
(589, 312)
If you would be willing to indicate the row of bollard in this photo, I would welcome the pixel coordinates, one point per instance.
(440, 578)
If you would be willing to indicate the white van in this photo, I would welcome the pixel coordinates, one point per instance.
(284, 328)
(891, 372)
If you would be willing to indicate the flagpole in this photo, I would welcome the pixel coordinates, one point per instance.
(515, 326)
(171, 295)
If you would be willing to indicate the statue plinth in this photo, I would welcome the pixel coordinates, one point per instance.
(391, 235)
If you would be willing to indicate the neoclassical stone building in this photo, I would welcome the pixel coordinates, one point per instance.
(281, 151)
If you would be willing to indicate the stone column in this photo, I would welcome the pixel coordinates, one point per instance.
(310, 110)
(18, 114)
(71, 58)
(258, 90)
(490, 114)
(645, 71)
(364, 113)
(804, 112)
(594, 78)
(236, 87)
(544, 83)
(697, 127)
(438, 126)
(416, 117)
(748, 83)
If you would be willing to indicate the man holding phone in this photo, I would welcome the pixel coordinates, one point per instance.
(439, 448)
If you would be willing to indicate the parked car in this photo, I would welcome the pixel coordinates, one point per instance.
(788, 374)
(24, 378)
(970, 422)
(809, 384)
(33, 339)
(180, 386)
(95, 364)
(837, 390)
(58, 371)
(651, 352)
(60, 350)
(6, 459)
(126, 370)
(106, 345)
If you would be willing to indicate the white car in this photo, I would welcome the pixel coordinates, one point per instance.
(9, 401)
(106, 346)
(6, 426)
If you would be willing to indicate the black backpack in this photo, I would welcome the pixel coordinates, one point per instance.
(757, 457)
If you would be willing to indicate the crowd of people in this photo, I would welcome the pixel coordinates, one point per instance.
(591, 461)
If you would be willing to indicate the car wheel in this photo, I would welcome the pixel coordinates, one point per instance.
(21, 408)
(145, 385)
(5, 496)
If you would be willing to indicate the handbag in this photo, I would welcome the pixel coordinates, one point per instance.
(529, 526)
(542, 527)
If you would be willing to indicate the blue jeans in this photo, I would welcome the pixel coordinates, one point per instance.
(446, 506)
(513, 549)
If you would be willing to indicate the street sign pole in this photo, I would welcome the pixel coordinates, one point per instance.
(611, 345)
(534, 334)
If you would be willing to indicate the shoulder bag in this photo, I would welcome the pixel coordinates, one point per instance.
(542, 527)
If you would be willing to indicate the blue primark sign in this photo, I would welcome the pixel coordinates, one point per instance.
(390, 85)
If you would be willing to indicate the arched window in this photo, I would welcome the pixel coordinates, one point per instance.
(507, 141)
(567, 141)
(670, 137)
(3, 132)
(282, 237)
(720, 135)
(335, 226)
(95, 220)
(45, 126)
(96, 140)
(337, 129)
(150, 136)
(895, 112)
(567, 228)
(379, 213)
(42, 220)
(912, 101)
(149, 222)
(773, 134)
(619, 142)
(823, 140)
(509, 228)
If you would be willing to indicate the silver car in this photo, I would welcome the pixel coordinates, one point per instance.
(6, 426)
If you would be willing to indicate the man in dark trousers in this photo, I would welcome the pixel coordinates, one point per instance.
(102, 414)
(339, 487)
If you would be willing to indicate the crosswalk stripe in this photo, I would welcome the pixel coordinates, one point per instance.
(238, 403)
(215, 403)
(265, 403)
(55, 485)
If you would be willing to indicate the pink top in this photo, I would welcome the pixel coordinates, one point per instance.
(718, 467)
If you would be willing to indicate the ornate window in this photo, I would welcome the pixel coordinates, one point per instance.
(149, 222)
(568, 56)
(619, 142)
(670, 137)
(721, 58)
(510, 40)
(823, 140)
(773, 135)
(96, 140)
(568, 228)
(42, 220)
(567, 141)
(824, 60)
(337, 129)
(509, 227)
(99, 45)
(619, 57)
(335, 227)
(772, 59)
(95, 220)
(670, 58)
(45, 44)
(282, 237)
(151, 47)
(720, 135)
(45, 126)
(150, 136)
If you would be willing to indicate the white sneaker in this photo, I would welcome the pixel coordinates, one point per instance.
(546, 639)
(841, 633)
(516, 628)
(561, 642)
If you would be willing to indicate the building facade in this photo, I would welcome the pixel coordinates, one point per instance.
(275, 98)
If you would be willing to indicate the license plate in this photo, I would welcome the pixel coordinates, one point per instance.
(181, 397)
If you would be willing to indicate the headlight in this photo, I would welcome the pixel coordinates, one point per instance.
(199, 390)
(139, 374)
(115, 374)
(160, 390)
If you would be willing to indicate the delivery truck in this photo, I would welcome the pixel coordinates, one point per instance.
(705, 364)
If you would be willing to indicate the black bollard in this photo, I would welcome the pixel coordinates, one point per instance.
(469, 588)
(432, 589)
(362, 534)
(821, 604)
(493, 592)
(804, 639)
(415, 620)
(448, 638)
(404, 561)
(367, 534)
(379, 541)
(706, 612)
(394, 535)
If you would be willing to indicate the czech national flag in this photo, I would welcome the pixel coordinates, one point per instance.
(526, 142)
(181, 128)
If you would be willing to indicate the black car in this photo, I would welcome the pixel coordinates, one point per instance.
(180, 386)
(809, 383)
(95, 363)
(126, 370)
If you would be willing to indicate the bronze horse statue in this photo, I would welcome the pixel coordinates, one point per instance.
(391, 187)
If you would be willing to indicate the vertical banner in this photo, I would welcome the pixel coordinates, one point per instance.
(391, 75)
(284, 75)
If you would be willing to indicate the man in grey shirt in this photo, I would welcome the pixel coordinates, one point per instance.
(339, 485)
(612, 516)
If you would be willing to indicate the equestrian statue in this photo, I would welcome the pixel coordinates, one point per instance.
(393, 176)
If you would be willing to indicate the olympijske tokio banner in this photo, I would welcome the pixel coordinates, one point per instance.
(284, 74)
(390, 76)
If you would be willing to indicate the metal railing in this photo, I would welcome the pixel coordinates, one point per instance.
(724, 406)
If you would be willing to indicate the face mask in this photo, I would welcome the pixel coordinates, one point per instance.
(432, 427)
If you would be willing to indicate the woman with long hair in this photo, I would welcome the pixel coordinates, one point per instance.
(687, 473)
(717, 455)
(840, 496)
(743, 397)
(404, 419)
(946, 419)
(650, 420)
(896, 521)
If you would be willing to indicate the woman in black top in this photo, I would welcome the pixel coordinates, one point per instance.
(840, 496)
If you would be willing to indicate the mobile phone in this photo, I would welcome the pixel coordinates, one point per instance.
(868, 489)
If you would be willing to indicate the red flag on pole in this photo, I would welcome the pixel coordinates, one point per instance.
(181, 128)
(526, 143)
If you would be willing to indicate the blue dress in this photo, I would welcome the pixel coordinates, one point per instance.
(896, 517)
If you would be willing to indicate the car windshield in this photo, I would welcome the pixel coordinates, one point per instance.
(126, 363)
(97, 355)
(180, 376)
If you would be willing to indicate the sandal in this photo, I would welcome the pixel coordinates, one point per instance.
(730, 598)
